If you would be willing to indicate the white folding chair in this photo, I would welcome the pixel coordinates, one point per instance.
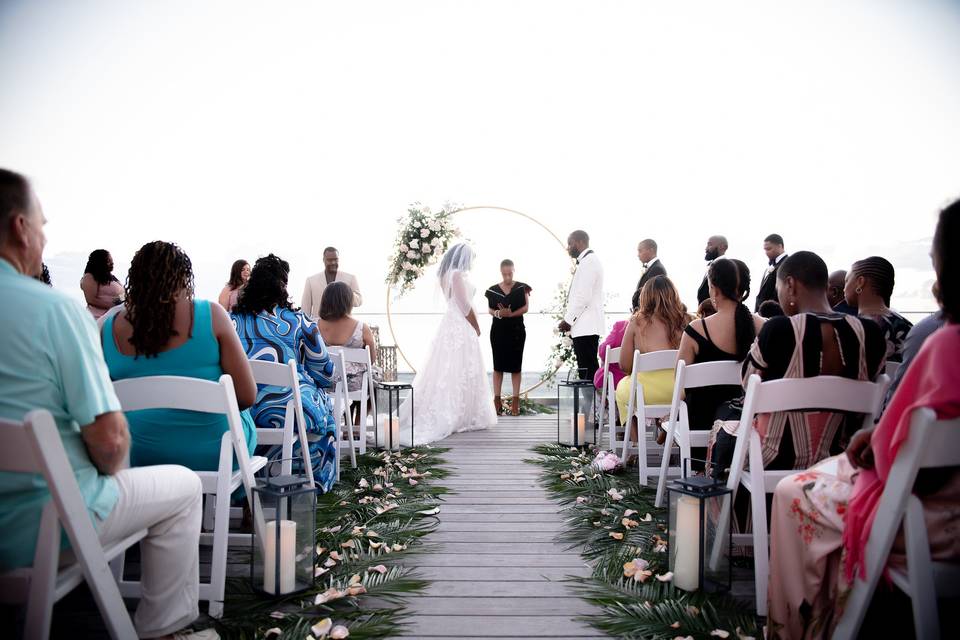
(931, 444)
(643, 362)
(827, 393)
(34, 446)
(285, 375)
(705, 374)
(194, 394)
(607, 392)
(341, 408)
(364, 395)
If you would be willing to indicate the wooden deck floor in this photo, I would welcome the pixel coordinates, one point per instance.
(497, 570)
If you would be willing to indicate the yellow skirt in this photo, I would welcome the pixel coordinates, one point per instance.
(657, 389)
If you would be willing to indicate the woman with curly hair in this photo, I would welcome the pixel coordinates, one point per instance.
(163, 331)
(657, 325)
(271, 329)
(100, 287)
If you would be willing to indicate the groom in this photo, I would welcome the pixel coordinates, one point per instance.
(584, 314)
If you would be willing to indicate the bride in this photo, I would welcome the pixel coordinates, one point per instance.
(451, 392)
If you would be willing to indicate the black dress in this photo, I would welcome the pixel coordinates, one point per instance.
(507, 335)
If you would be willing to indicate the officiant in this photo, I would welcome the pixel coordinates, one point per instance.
(507, 300)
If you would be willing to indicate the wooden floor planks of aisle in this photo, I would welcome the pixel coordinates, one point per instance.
(495, 565)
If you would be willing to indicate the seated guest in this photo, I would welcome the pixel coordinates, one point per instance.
(656, 326)
(338, 328)
(835, 286)
(163, 331)
(770, 309)
(270, 329)
(613, 340)
(811, 340)
(706, 309)
(100, 287)
(911, 346)
(822, 518)
(239, 274)
(868, 288)
(52, 360)
(725, 335)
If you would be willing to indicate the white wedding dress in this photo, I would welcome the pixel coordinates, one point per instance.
(451, 392)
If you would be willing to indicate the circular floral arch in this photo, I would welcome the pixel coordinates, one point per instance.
(423, 237)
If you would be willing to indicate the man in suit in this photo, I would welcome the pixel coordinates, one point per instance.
(773, 247)
(651, 267)
(716, 247)
(583, 318)
(835, 286)
(313, 290)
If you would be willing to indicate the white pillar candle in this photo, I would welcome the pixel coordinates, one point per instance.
(576, 429)
(288, 537)
(389, 436)
(686, 541)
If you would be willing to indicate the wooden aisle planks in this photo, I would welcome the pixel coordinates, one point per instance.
(496, 571)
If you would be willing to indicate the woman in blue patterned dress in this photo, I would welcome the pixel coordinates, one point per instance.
(270, 329)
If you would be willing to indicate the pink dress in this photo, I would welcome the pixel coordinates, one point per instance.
(614, 340)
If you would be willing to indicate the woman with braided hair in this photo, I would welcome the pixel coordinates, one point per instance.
(163, 331)
(271, 329)
(868, 288)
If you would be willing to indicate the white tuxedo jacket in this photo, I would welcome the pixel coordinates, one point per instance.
(313, 291)
(585, 300)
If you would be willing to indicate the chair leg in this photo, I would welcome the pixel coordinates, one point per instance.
(44, 576)
(761, 559)
(923, 591)
(665, 462)
(218, 560)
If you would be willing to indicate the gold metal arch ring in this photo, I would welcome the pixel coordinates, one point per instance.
(560, 242)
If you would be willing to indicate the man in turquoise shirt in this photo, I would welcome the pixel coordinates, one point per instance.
(51, 358)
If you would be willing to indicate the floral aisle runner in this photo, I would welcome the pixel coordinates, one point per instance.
(367, 527)
(614, 523)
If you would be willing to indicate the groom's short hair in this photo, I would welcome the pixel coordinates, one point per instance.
(580, 236)
(507, 262)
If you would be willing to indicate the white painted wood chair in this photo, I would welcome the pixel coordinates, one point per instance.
(644, 362)
(294, 425)
(826, 393)
(34, 446)
(694, 376)
(341, 410)
(364, 395)
(607, 398)
(193, 394)
(932, 444)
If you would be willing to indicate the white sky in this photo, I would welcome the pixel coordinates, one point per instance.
(237, 129)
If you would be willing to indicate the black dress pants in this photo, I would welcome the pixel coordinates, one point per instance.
(585, 349)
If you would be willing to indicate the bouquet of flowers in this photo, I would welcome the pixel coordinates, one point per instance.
(422, 238)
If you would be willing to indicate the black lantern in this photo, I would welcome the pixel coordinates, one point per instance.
(283, 559)
(389, 398)
(700, 540)
(576, 412)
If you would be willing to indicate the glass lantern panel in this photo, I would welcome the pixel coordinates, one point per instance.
(716, 543)
(283, 557)
(569, 431)
(683, 544)
(587, 410)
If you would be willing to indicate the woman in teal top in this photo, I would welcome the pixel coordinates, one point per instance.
(164, 331)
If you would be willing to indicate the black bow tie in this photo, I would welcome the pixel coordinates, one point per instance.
(584, 255)
(645, 264)
(773, 261)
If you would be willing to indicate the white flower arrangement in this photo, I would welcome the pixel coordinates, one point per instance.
(561, 353)
(421, 238)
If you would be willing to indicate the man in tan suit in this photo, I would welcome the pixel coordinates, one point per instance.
(313, 290)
